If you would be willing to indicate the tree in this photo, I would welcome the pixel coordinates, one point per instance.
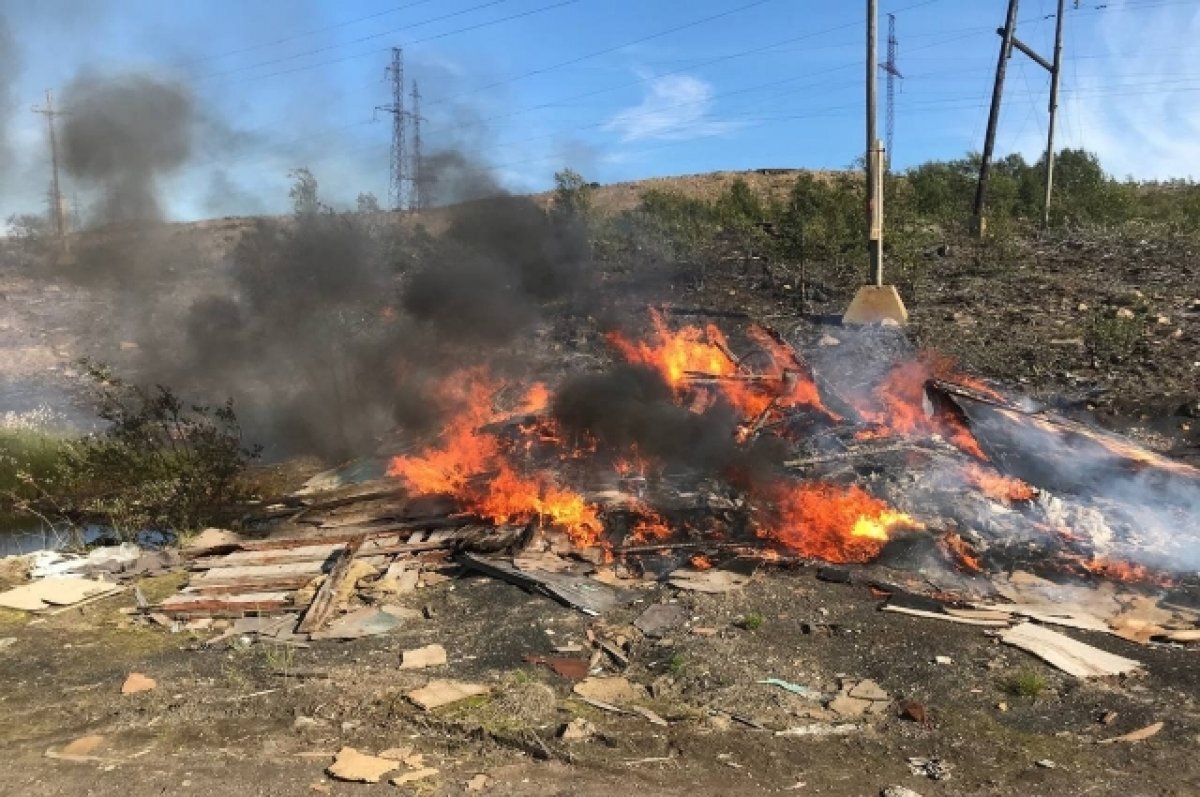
(304, 192)
(368, 203)
(572, 194)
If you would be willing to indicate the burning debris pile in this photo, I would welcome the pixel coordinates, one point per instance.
(700, 450)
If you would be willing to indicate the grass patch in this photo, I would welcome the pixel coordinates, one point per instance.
(1025, 683)
(753, 621)
(677, 665)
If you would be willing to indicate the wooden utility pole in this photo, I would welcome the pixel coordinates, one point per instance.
(874, 198)
(1055, 71)
(58, 211)
(989, 141)
(874, 302)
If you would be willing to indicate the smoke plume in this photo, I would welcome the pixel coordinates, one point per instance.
(122, 134)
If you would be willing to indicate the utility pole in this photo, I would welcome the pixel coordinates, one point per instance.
(989, 142)
(1055, 71)
(893, 72)
(874, 302)
(58, 211)
(416, 201)
(397, 177)
(1009, 40)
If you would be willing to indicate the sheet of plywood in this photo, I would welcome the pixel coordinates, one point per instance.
(1068, 655)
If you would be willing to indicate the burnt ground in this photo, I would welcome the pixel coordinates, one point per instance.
(1031, 316)
(231, 716)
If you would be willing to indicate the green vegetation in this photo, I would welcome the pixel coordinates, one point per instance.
(820, 220)
(677, 665)
(158, 464)
(752, 621)
(1026, 682)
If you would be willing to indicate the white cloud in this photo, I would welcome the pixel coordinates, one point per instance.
(1141, 115)
(675, 107)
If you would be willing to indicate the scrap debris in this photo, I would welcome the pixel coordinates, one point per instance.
(440, 693)
(1072, 657)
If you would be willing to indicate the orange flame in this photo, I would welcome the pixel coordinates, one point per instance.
(826, 521)
(693, 350)
(470, 465)
(674, 354)
(997, 486)
(898, 405)
(961, 553)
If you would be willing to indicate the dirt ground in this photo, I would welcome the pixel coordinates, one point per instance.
(262, 720)
(268, 719)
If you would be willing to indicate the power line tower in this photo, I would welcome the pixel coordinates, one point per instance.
(395, 72)
(893, 73)
(416, 195)
(58, 210)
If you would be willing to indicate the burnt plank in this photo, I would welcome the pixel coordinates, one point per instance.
(320, 610)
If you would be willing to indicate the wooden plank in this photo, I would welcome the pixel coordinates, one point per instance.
(307, 553)
(1073, 658)
(227, 606)
(290, 583)
(352, 533)
(950, 618)
(320, 610)
(256, 574)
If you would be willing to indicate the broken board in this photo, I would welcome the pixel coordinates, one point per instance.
(1072, 657)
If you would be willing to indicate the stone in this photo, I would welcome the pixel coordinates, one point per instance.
(85, 745)
(136, 682)
(577, 730)
(868, 690)
(846, 706)
(615, 690)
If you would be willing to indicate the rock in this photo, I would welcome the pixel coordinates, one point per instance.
(868, 690)
(943, 660)
(85, 745)
(480, 782)
(577, 730)
(420, 658)
(1045, 763)
(1124, 313)
(353, 766)
(913, 711)
(828, 340)
(845, 706)
(136, 682)
(615, 690)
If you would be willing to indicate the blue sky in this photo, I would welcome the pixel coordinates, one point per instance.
(616, 89)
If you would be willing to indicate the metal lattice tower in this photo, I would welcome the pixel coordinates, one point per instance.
(416, 196)
(398, 178)
(893, 73)
(58, 209)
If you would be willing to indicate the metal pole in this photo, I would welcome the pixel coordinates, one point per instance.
(875, 234)
(989, 141)
(1054, 73)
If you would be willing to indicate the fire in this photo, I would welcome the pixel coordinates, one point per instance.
(700, 562)
(898, 405)
(650, 527)
(961, 553)
(470, 465)
(674, 354)
(536, 399)
(826, 521)
(1124, 571)
(698, 352)
(997, 486)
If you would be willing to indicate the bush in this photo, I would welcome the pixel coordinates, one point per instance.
(159, 464)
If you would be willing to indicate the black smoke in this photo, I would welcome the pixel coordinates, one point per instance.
(121, 135)
(631, 408)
